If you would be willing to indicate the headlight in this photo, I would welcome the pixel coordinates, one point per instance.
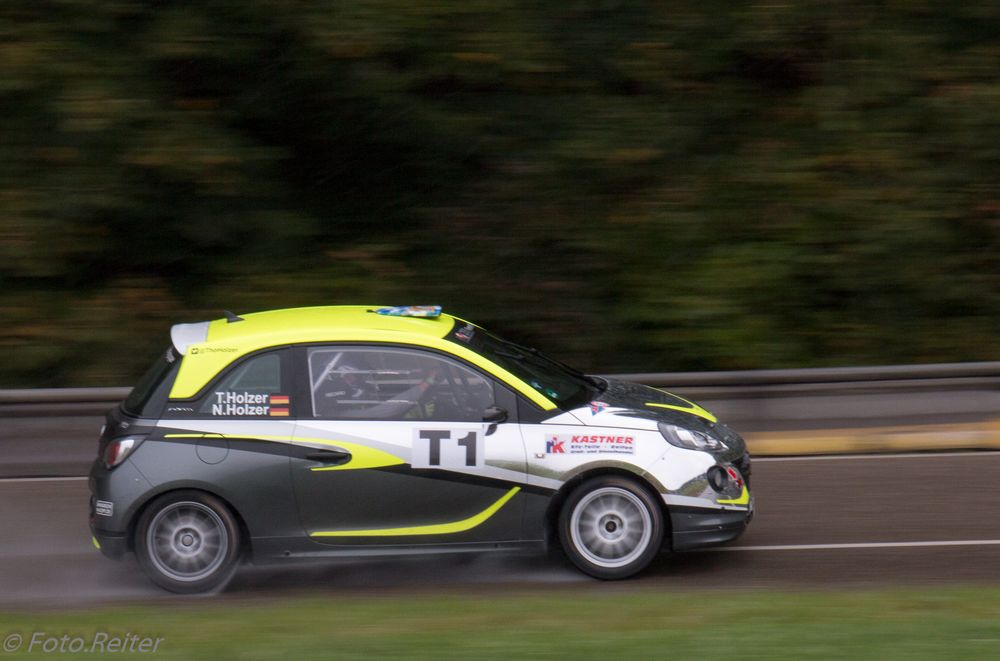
(690, 439)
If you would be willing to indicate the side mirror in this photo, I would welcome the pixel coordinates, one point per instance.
(494, 415)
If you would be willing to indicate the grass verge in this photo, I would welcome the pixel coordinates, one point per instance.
(899, 624)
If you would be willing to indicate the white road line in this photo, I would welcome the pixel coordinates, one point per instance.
(860, 545)
(848, 457)
(7, 480)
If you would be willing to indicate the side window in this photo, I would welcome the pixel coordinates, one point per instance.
(353, 383)
(253, 388)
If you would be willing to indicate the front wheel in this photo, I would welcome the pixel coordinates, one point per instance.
(610, 527)
(188, 541)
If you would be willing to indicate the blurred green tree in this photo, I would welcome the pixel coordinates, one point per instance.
(630, 185)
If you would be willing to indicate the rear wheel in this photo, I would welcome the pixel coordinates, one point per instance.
(188, 541)
(611, 527)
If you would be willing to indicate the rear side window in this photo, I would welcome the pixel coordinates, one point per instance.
(141, 400)
(256, 387)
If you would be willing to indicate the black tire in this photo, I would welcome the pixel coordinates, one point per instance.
(611, 527)
(188, 542)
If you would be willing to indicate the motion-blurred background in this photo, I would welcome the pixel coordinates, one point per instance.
(632, 186)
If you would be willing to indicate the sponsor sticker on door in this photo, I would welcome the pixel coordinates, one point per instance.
(589, 444)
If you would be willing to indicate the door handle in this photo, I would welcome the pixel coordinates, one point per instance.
(330, 456)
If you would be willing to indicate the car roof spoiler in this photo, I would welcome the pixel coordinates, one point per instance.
(184, 335)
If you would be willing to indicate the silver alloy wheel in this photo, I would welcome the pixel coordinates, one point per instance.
(187, 541)
(611, 527)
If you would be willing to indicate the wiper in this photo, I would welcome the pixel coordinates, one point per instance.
(531, 350)
(508, 354)
(597, 383)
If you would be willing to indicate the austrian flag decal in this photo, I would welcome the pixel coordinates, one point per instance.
(588, 444)
(279, 406)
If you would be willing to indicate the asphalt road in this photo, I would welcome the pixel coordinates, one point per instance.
(821, 522)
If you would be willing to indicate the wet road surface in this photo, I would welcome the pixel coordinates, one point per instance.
(821, 522)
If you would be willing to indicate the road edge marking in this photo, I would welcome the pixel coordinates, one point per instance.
(855, 545)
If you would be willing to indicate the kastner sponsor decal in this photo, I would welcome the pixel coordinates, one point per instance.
(588, 444)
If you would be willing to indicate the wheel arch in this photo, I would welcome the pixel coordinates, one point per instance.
(246, 549)
(644, 480)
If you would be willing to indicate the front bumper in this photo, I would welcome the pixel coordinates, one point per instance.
(695, 528)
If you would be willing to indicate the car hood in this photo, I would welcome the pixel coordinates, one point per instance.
(635, 406)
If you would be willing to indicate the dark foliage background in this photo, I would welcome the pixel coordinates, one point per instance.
(629, 185)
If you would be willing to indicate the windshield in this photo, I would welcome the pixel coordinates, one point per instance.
(567, 387)
(136, 401)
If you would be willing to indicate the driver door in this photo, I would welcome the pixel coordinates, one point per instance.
(394, 450)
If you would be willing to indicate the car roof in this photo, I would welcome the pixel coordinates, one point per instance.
(209, 347)
(360, 319)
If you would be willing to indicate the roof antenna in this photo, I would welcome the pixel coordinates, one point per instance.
(231, 318)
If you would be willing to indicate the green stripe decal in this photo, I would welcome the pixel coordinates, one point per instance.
(693, 409)
(362, 456)
(744, 499)
(433, 529)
